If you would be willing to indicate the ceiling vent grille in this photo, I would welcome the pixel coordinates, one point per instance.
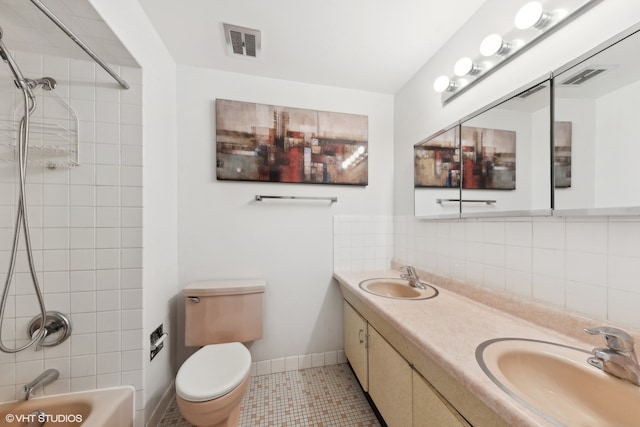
(532, 91)
(242, 42)
(585, 75)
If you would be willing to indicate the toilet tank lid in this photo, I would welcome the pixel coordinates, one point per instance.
(225, 287)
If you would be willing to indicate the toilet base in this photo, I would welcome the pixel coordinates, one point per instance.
(221, 412)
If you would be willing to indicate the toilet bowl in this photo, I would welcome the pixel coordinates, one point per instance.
(219, 316)
(211, 384)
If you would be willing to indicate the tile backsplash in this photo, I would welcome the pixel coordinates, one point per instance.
(362, 242)
(588, 265)
(86, 229)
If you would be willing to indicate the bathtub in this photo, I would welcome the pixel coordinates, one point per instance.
(95, 408)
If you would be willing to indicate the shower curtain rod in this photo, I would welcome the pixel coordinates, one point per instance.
(80, 43)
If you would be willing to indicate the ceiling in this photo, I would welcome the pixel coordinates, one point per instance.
(371, 45)
(25, 28)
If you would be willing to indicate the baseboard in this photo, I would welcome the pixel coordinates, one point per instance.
(161, 407)
(294, 363)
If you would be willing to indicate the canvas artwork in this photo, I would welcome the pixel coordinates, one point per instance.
(259, 142)
(562, 154)
(437, 161)
(488, 158)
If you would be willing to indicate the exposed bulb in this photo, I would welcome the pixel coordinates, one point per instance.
(531, 15)
(493, 44)
(464, 67)
(442, 84)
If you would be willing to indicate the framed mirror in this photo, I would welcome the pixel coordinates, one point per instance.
(596, 144)
(506, 156)
(495, 162)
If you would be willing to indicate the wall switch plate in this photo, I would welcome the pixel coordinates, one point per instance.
(156, 341)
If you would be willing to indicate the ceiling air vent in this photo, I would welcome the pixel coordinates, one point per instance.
(242, 42)
(531, 91)
(585, 75)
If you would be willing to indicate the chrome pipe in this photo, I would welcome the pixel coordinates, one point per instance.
(80, 43)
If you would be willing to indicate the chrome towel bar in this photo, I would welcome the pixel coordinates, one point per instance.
(330, 199)
(489, 202)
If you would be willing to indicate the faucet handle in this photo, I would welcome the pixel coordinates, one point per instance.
(410, 270)
(616, 339)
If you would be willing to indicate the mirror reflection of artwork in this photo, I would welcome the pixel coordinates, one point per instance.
(437, 161)
(488, 158)
(562, 154)
(258, 142)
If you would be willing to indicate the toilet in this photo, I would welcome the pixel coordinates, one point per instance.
(219, 317)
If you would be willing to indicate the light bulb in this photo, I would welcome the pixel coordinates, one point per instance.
(531, 15)
(465, 66)
(493, 44)
(442, 83)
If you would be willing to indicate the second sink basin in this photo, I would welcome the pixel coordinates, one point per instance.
(397, 288)
(557, 383)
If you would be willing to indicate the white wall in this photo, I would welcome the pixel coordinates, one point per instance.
(582, 264)
(130, 24)
(224, 233)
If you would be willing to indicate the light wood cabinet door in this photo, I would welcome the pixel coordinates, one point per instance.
(430, 409)
(389, 382)
(355, 344)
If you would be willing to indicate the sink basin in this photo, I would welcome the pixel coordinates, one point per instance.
(397, 288)
(557, 383)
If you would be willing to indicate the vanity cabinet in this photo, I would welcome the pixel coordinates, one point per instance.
(355, 344)
(430, 409)
(407, 386)
(389, 382)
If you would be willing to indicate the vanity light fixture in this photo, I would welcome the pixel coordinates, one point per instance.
(465, 67)
(443, 84)
(493, 44)
(532, 15)
(497, 49)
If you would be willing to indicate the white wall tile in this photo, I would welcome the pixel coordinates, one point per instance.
(587, 299)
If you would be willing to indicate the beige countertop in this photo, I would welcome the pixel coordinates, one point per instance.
(448, 328)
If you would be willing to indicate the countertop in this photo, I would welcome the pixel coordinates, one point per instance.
(449, 327)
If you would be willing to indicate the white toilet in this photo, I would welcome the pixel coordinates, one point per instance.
(219, 315)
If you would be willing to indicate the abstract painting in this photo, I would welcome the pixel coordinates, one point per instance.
(437, 161)
(259, 142)
(562, 154)
(488, 158)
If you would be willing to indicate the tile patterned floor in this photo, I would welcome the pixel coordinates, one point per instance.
(327, 396)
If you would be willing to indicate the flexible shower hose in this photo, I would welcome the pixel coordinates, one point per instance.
(21, 216)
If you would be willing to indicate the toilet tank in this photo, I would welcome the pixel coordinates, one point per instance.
(221, 311)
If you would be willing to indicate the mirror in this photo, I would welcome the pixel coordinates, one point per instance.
(506, 156)
(597, 106)
(495, 163)
(437, 175)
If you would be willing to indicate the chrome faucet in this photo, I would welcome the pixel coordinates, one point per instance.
(618, 359)
(412, 277)
(45, 378)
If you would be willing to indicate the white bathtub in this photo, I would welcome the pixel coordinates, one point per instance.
(96, 408)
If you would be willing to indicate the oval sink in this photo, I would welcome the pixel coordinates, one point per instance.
(557, 383)
(397, 288)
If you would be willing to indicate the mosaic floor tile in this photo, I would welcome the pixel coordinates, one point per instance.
(326, 396)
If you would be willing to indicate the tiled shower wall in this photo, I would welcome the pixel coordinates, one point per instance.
(589, 265)
(86, 229)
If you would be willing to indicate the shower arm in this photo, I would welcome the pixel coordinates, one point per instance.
(123, 84)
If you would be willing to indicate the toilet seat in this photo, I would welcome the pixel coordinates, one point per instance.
(213, 371)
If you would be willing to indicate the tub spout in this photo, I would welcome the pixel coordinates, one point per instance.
(45, 378)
